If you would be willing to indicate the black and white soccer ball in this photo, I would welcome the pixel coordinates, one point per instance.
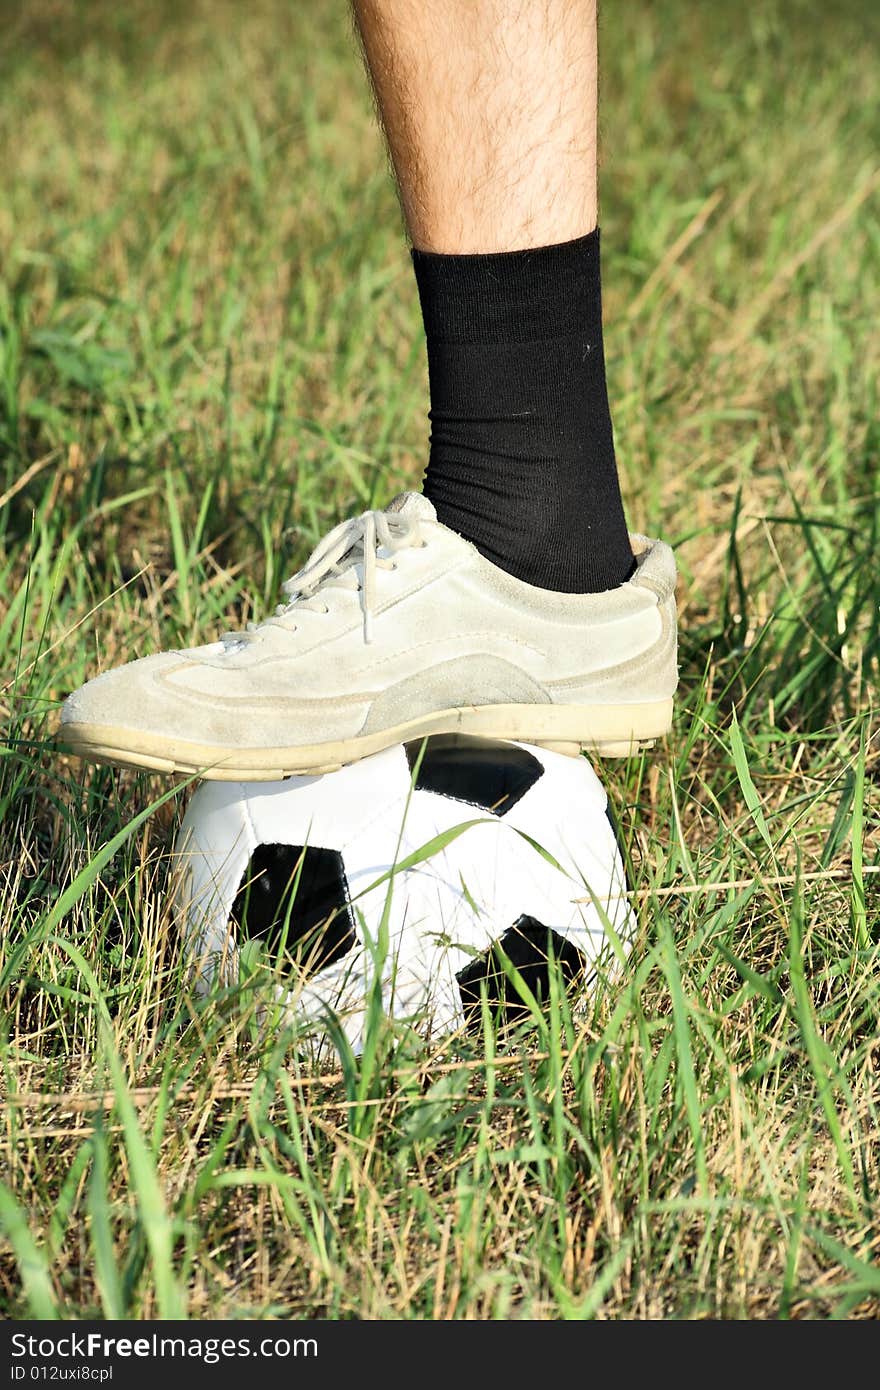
(419, 863)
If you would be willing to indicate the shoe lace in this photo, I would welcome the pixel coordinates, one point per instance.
(359, 539)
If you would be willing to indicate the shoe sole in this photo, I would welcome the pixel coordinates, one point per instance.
(614, 731)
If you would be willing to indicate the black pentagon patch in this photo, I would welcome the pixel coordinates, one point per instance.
(484, 772)
(528, 945)
(302, 911)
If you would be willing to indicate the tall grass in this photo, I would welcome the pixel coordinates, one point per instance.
(209, 352)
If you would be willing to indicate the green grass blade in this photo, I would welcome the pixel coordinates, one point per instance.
(859, 912)
(823, 1064)
(106, 1270)
(747, 786)
(685, 1059)
(31, 1260)
(152, 1211)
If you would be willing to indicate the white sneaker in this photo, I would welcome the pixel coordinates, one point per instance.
(396, 628)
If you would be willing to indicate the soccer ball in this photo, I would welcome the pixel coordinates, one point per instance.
(448, 867)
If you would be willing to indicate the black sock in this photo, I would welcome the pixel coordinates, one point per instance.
(522, 455)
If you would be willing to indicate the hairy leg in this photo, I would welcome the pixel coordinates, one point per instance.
(489, 108)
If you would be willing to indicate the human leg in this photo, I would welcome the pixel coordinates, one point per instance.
(501, 603)
(490, 114)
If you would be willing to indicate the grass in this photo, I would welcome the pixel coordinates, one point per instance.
(209, 352)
